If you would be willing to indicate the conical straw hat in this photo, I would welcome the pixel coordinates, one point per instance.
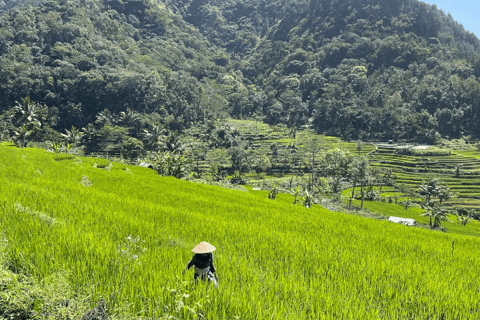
(204, 247)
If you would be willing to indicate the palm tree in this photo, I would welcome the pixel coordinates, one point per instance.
(172, 164)
(429, 191)
(439, 214)
(363, 175)
(352, 174)
(407, 204)
(295, 193)
(309, 199)
(312, 146)
(130, 118)
(463, 220)
(72, 136)
(172, 142)
(463, 215)
(4, 132)
(208, 135)
(21, 135)
(154, 137)
(68, 147)
(239, 154)
(359, 147)
(444, 194)
(428, 213)
(336, 163)
(387, 179)
(274, 191)
(89, 132)
(26, 113)
(457, 170)
(436, 215)
(105, 117)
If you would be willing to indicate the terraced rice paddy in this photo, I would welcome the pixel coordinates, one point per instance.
(125, 234)
(414, 170)
(410, 170)
(290, 160)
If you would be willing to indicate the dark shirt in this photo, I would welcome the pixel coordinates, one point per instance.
(200, 261)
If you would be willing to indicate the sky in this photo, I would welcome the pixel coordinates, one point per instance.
(466, 12)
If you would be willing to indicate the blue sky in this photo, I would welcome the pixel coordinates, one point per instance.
(466, 12)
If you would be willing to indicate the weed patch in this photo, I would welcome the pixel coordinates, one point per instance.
(86, 182)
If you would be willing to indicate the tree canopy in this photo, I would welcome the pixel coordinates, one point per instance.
(377, 69)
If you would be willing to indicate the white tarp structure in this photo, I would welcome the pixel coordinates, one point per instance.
(407, 222)
(146, 165)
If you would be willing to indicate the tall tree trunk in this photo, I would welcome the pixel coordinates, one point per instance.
(361, 190)
(353, 189)
(313, 166)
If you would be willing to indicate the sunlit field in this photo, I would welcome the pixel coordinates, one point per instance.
(125, 234)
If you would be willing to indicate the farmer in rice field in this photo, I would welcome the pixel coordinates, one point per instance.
(203, 262)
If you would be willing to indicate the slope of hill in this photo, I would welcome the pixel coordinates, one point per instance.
(10, 4)
(376, 69)
(372, 70)
(288, 159)
(124, 233)
(82, 57)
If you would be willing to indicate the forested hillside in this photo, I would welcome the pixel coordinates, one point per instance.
(9, 4)
(376, 69)
(79, 58)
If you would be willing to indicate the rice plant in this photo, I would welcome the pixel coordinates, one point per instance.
(126, 236)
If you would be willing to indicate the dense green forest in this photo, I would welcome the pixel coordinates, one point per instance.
(126, 71)
(9, 4)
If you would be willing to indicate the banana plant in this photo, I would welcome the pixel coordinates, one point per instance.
(57, 147)
(274, 191)
(295, 193)
(21, 135)
(309, 199)
(68, 147)
(463, 220)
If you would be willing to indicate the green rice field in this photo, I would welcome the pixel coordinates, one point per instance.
(411, 170)
(415, 170)
(125, 234)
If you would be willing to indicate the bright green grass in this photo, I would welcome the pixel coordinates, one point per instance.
(392, 209)
(468, 153)
(275, 260)
(397, 210)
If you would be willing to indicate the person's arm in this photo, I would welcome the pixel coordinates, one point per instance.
(189, 265)
(212, 267)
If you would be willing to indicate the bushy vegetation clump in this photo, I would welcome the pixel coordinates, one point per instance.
(423, 152)
(23, 296)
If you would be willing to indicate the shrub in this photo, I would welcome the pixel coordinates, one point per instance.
(101, 163)
(24, 297)
(61, 157)
(431, 151)
(372, 195)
